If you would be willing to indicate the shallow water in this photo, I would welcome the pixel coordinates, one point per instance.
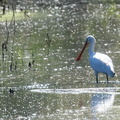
(48, 83)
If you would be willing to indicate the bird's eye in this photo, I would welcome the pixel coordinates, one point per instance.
(87, 40)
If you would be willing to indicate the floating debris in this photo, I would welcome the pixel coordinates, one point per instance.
(29, 65)
(11, 91)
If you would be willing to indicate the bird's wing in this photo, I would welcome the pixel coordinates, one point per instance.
(101, 62)
(102, 57)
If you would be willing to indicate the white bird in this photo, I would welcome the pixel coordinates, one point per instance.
(99, 62)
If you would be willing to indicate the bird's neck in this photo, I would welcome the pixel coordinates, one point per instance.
(91, 49)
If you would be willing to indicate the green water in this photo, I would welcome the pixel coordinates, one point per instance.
(39, 64)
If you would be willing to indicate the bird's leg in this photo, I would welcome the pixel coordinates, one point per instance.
(97, 78)
(96, 74)
(107, 77)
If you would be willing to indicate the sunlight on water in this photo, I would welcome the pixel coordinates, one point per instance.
(40, 78)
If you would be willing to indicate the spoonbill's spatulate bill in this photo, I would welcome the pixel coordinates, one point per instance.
(99, 62)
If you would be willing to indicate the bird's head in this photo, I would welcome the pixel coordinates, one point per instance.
(89, 40)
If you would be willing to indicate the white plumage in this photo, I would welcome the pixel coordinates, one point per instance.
(100, 63)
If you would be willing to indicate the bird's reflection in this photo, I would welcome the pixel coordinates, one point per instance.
(101, 102)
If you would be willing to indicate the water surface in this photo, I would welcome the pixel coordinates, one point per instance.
(39, 64)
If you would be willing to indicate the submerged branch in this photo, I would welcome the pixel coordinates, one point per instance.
(48, 40)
